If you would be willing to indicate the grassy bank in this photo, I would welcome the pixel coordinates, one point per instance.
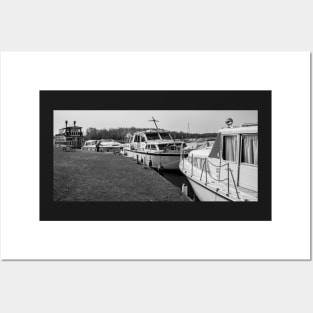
(95, 176)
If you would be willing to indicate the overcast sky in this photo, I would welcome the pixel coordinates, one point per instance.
(199, 121)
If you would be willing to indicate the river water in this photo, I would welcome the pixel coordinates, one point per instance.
(177, 178)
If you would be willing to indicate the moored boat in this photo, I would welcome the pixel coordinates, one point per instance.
(228, 171)
(109, 145)
(102, 145)
(155, 148)
(90, 145)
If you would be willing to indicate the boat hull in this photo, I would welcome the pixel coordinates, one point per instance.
(110, 149)
(129, 153)
(205, 194)
(208, 189)
(168, 161)
(89, 149)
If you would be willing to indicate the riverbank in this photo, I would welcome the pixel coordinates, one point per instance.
(96, 176)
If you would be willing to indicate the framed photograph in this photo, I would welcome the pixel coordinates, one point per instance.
(155, 155)
(217, 163)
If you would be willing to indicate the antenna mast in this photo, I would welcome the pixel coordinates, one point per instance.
(155, 122)
(188, 130)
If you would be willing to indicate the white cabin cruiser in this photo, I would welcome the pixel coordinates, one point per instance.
(229, 170)
(109, 145)
(90, 145)
(103, 145)
(155, 148)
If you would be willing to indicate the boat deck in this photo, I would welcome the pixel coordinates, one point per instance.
(247, 191)
(244, 193)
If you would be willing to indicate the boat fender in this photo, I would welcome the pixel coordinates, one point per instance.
(160, 168)
(150, 163)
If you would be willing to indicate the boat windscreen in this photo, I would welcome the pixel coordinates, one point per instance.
(152, 136)
(165, 136)
(215, 152)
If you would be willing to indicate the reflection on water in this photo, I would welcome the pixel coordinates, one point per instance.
(177, 178)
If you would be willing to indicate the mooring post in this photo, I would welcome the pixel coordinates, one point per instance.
(228, 179)
(206, 172)
(192, 165)
(185, 189)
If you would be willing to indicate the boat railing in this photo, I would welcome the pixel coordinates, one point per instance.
(206, 169)
(230, 174)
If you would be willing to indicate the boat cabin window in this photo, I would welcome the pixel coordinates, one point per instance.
(165, 136)
(230, 148)
(152, 136)
(142, 138)
(151, 147)
(249, 149)
(137, 138)
(163, 146)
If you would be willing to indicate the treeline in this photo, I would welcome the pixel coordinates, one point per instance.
(120, 133)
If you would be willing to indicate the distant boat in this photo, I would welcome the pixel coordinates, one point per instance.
(103, 145)
(109, 145)
(90, 145)
(228, 171)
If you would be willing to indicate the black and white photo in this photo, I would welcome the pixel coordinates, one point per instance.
(203, 155)
(155, 155)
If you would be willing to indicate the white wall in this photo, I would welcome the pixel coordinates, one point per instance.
(46, 286)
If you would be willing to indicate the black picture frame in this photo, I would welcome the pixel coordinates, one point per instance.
(155, 100)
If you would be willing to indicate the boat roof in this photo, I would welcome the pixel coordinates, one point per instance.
(151, 131)
(214, 151)
(202, 153)
(244, 128)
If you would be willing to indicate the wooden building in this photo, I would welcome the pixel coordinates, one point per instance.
(70, 135)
